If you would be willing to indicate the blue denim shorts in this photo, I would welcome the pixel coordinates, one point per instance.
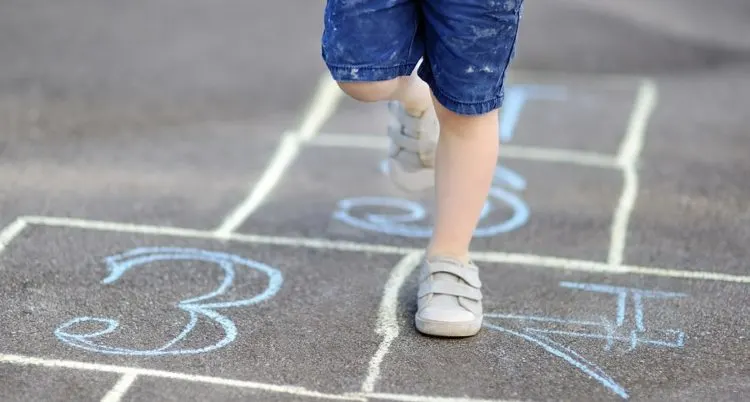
(465, 45)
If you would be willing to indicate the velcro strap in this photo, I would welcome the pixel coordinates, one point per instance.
(451, 288)
(402, 140)
(470, 276)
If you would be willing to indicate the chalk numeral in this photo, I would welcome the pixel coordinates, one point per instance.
(196, 308)
(502, 195)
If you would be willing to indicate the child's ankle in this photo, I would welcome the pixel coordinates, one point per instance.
(464, 258)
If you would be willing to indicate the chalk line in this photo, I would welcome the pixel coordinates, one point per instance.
(322, 106)
(305, 242)
(121, 388)
(645, 103)
(285, 154)
(627, 159)
(387, 323)
(339, 140)
(10, 232)
(533, 260)
(134, 371)
(540, 154)
(419, 398)
(131, 373)
(565, 264)
(569, 156)
(601, 80)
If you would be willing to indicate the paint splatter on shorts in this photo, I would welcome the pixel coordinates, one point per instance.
(465, 45)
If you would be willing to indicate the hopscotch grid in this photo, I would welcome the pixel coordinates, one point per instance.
(322, 107)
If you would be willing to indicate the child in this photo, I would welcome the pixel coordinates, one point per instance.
(373, 49)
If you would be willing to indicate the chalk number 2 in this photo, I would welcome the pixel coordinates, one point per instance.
(201, 307)
(502, 195)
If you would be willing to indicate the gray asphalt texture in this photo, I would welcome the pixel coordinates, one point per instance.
(166, 113)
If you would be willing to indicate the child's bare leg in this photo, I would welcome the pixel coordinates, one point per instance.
(449, 297)
(469, 45)
(413, 128)
(465, 164)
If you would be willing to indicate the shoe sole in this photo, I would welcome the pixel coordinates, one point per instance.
(413, 182)
(449, 329)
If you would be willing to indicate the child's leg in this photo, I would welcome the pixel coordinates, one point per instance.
(465, 165)
(372, 48)
(469, 45)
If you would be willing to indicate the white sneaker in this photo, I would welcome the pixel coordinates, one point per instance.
(450, 300)
(411, 159)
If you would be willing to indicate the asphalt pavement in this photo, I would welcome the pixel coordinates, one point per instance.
(190, 211)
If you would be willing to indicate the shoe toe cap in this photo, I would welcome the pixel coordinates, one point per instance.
(442, 314)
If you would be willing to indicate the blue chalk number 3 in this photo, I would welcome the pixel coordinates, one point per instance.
(201, 307)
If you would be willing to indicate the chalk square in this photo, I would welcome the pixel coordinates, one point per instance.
(569, 113)
(156, 176)
(547, 337)
(536, 207)
(323, 314)
(32, 383)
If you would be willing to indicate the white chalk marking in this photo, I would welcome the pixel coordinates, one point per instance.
(419, 398)
(645, 103)
(285, 154)
(322, 106)
(314, 243)
(366, 141)
(539, 261)
(565, 264)
(118, 227)
(606, 81)
(133, 371)
(10, 232)
(130, 374)
(555, 155)
(570, 156)
(121, 388)
(627, 159)
(387, 323)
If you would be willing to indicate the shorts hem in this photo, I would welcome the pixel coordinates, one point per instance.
(343, 73)
(467, 108)
(470, 109)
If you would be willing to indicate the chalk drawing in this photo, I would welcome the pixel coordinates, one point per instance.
(196, 308)
(628, 326)
(502, 195)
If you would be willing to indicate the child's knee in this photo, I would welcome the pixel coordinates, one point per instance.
(370, 91)
(453, 123)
